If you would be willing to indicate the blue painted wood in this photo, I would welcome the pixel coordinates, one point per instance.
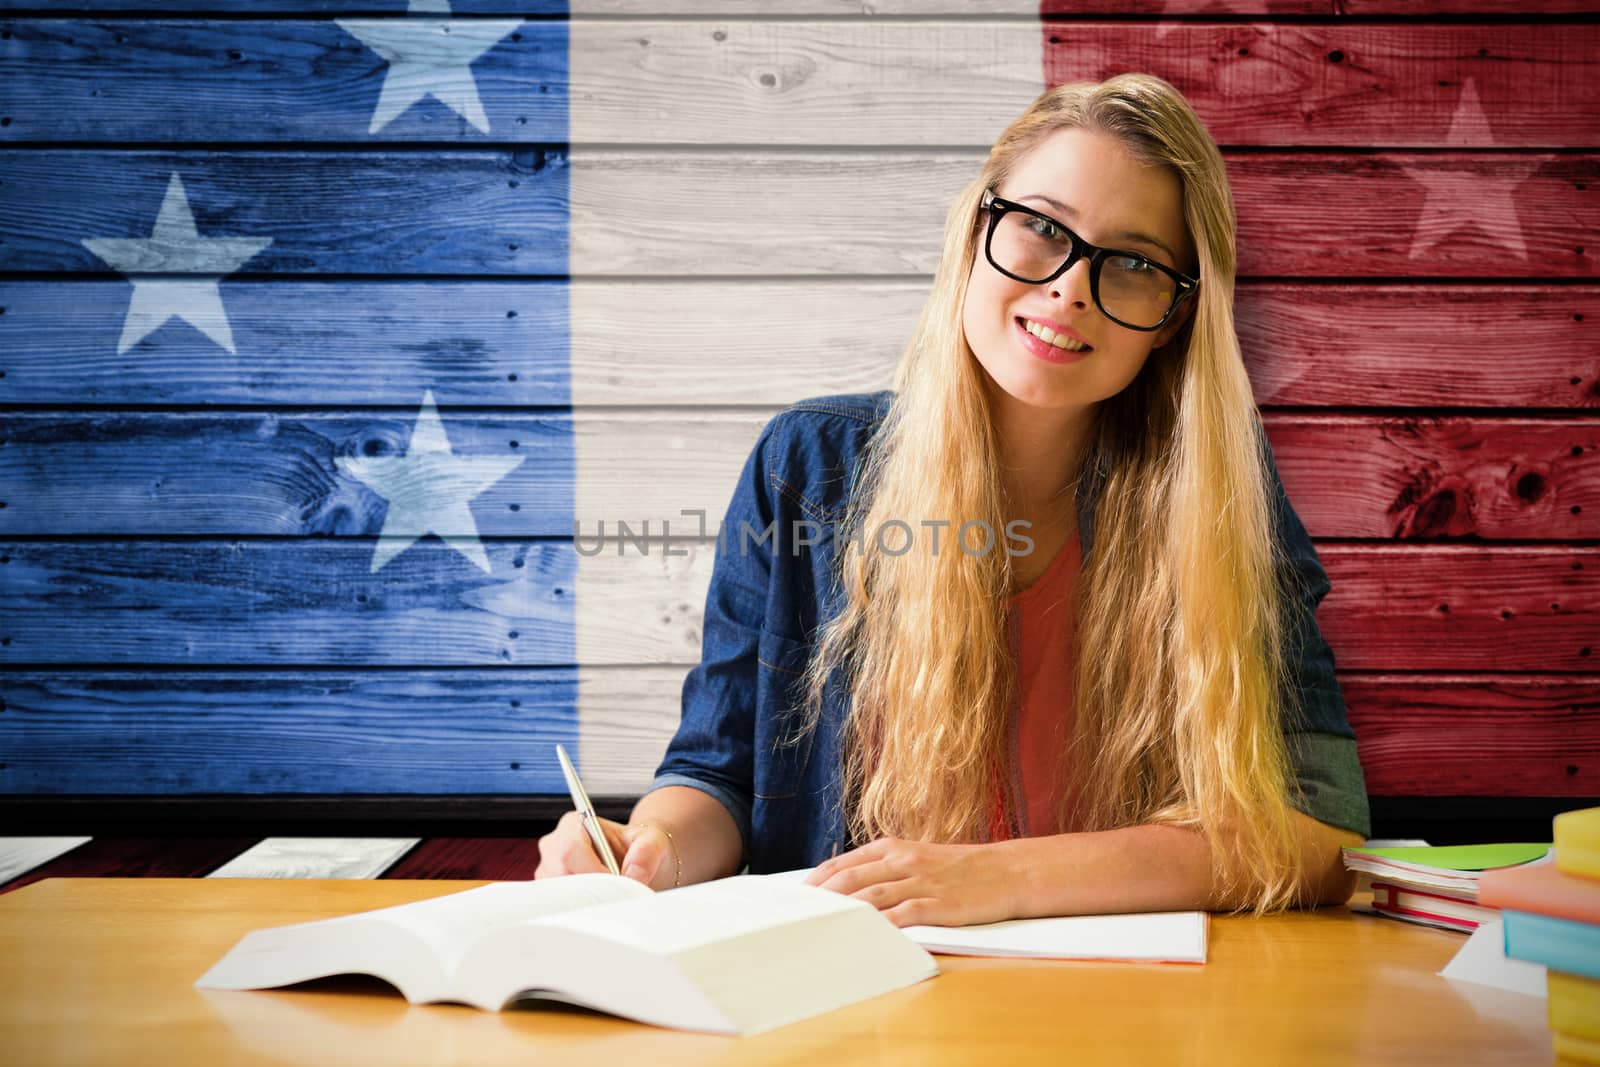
(349, 212)
(311, 7)
(273, 473)
(389, 341)
(262, 80)
(429, 732)
(301, 602)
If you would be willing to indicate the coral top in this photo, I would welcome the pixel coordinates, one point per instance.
(1043, 632)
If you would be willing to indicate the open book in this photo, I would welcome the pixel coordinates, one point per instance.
(738, 955)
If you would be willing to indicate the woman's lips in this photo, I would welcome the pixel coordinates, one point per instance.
(1046, 351)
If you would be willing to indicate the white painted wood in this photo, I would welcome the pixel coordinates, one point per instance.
(867, 82)
(636, 607)
(866, 9)
(19, 855)
(626, 716)
(316, 857)
(670, 342)
(810, 213)
(655, 465)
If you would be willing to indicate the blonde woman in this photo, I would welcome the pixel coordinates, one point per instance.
(1032, 633)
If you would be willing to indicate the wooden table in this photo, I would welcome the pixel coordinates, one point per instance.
(101, 970)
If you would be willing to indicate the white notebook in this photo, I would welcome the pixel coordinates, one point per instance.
(1143, 937)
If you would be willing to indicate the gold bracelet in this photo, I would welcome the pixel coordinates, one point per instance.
(677, 862)
(677, 878)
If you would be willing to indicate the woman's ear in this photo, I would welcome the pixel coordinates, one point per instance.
(1174, 324)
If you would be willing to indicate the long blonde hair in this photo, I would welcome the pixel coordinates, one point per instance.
(1179, 671)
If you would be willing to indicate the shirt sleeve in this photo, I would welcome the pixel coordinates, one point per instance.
(1322, 746)
(713, 749)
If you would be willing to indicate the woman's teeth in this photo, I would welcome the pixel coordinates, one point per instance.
(1049, 337)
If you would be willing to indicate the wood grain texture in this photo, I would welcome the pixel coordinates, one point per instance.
(1344, 347)
(237, 731)
(137, 857)
(1264, 996)
(352, 212)
(1477, 735)
(1021, 9)
(1392, 607)
(1441, 477)
(328, 732)
(482, 212)
(1300, 214)
(420, 732)
(499, 859)
(580, 9)
(316, 857)
(1413, 477)
(202, 80)
(19, 855)
(1447, 607)
(860, 82)
(655, 343)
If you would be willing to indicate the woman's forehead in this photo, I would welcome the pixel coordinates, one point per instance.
(1092, 180)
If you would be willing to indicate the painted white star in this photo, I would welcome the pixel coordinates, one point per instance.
(428, 489)
(175, 247)
(429, 57)
(1467, 197)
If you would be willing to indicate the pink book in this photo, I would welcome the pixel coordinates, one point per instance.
(1543, 890)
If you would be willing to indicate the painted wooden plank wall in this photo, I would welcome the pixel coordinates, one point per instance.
(191, 594)
(1306, 343)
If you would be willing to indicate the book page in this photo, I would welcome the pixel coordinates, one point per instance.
(676, 920)
(1151, 937)
(449, 924)
(1166, 937)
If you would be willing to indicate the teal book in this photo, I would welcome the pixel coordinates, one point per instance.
(1559, 944)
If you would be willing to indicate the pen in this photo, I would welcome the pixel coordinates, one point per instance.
(580, 800)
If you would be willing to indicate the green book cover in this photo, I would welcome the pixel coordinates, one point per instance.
(1459, 857)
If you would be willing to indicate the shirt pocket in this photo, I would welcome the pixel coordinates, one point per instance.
(780, 761)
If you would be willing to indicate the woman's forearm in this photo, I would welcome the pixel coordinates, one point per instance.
(705, 835)
(1155, 868)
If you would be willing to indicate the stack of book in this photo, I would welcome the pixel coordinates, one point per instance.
(1552, 916)
(1438, 885)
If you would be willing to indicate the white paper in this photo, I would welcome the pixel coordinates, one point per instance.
(1483, 961)
(1156, 937)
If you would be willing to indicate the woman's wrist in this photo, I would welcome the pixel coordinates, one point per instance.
(672, 847)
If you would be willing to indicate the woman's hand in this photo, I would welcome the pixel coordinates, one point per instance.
(915, 883)
(645, 851)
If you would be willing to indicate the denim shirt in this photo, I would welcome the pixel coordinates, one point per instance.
(770, 591)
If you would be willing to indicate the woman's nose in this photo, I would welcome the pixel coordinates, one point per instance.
(1074, 285)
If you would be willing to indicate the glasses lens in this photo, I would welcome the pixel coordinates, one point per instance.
(1135, 290)
(1029, 247)
(1132, 289)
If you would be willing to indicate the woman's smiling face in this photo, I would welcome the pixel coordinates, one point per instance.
(1106, 196)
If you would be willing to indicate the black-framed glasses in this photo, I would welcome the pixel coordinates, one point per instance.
(1130, 289)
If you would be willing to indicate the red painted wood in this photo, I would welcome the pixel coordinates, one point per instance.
(1462, 608)
(1477, 735)
(1349, 8)
(1343, 83)
(138, 857)
(1414, 215)
(499, 858)
(1457, 346)
(1171, 8)
(1422, 477)
(1431, 8)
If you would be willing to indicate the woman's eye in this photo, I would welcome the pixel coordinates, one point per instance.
(1133, 265)
(1045, 228)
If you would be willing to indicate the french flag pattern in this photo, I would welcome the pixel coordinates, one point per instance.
(334, 338)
